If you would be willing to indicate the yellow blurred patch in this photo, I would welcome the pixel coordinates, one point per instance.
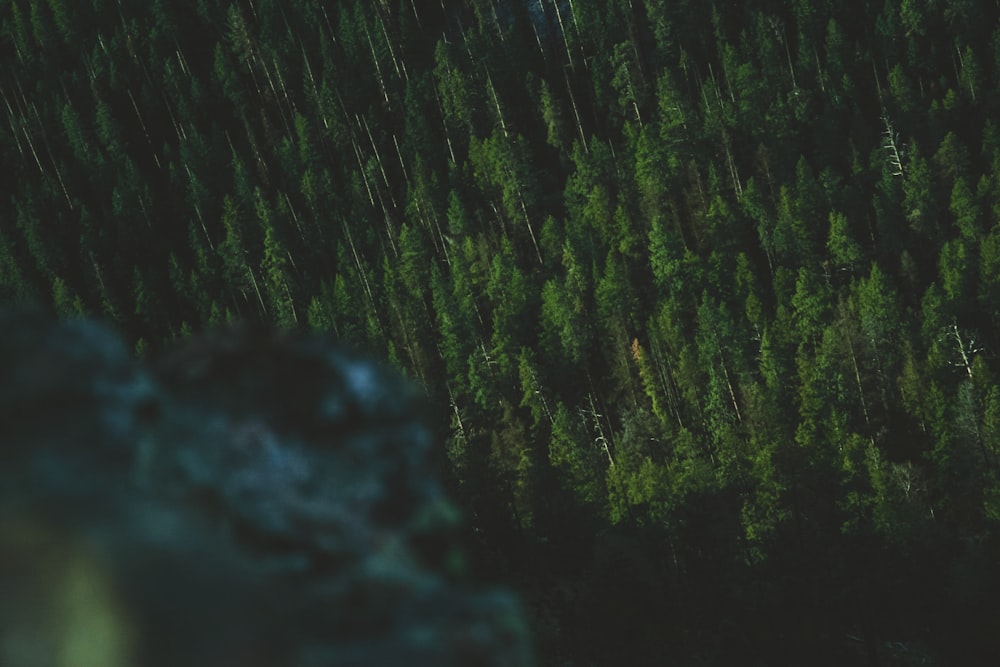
(59, 607)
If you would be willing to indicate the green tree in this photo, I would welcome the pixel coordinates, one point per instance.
(989, 276)
(274, 267)
(880, 316)
(65, 302)
(572, 451)
(456, 94)
(512, 295)
(811, 305)
(957, 267)
(845, 253)
(921, 207)
(41, 23)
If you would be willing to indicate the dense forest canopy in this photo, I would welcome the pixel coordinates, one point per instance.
(708, 293)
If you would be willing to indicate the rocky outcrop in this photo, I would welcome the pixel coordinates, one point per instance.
(250, 498)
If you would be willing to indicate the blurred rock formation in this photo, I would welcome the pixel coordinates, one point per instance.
(249, 499)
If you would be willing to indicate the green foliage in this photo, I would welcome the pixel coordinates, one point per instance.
(572, 452)
(845, 252)
(674, 269)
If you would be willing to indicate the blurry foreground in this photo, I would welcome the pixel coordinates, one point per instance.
(252, 499)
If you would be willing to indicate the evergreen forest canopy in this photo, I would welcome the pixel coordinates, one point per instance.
(708, 293)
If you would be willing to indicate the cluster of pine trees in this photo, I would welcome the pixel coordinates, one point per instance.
(708, 293)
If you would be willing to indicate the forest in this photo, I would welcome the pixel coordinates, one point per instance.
(706, 294)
